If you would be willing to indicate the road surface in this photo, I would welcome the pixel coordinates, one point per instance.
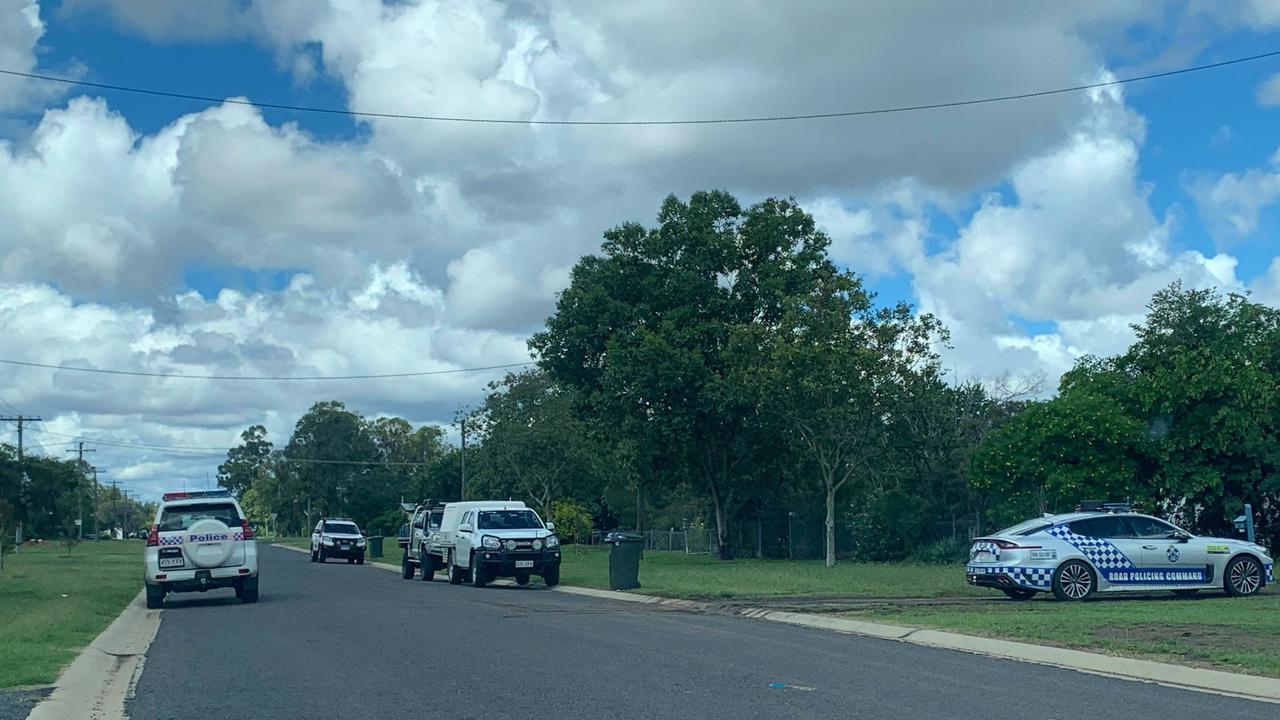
(353, 642)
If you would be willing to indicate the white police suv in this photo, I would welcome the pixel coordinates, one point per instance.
(199, 541)
(1110, 549)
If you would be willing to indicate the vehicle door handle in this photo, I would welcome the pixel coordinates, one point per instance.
(1149, 547)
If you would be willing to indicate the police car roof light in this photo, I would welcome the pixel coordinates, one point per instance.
(193, 494)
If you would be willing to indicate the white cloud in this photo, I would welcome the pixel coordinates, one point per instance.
(1269, 91)
(1231, 203)
(390, 321)
(20, 30)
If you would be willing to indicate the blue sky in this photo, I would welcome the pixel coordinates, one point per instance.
(145, 233)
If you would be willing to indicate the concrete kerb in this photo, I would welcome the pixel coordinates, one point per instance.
(1250, 687)
(94, 686)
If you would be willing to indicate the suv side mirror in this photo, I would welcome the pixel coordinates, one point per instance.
(1181, 537)
(551, 527)
(465, 527)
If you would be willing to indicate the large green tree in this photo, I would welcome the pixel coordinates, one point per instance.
(245, 461)
(659, 332)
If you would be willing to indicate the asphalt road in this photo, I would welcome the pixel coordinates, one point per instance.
(354, 642)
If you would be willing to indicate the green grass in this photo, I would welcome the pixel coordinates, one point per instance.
(672, 574)
(51, 605)
(703, 577)
(1225, 633)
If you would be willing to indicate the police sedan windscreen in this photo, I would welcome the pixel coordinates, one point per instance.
(341, 528)
(182, 517)
(509, 520)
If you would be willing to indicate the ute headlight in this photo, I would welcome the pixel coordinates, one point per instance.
(511, 544)
(490, 542)
(553, 541)
(537, 544)
(360, 542)
(327, 541)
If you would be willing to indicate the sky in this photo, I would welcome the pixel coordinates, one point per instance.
(155, 234)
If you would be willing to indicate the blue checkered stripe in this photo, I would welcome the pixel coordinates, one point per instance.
(1100, 552)
(990, 547)
(238, 536)
(1038, 578)
(1271, 572)
(171, 540)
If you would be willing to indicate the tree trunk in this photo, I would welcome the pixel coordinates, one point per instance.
(722, 525)
(831, 525)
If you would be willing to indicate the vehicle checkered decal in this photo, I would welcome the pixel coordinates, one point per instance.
(1271, 572)
(1100, 552)
(990, 547)
(1038, 578)
(238, 536)
(171, 540)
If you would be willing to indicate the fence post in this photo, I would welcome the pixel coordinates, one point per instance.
(759, 538)
(686, 541)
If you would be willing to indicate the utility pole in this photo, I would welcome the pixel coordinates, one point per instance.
(463, 495)
(21, 420)
(96, 535)
(80, 451)
(115, 513)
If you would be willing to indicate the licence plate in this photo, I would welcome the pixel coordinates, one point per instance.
(170, 562)
(985, 556)
(524, 563)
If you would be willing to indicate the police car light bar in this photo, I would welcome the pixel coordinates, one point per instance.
(1099, 506)
(194, 494)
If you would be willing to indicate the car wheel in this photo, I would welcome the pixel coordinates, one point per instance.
(155, 597)
(360, 559)
(551, 576)
(320, 555)
(1074, 580)
(428, 568)
(313, 555)
(479, 578)
(406, 568)
(1186, 593)
(455, 574)
(522, 579)
(1019, 593)
(1243, 577)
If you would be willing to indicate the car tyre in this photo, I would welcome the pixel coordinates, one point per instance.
(428, 567)
(522, 579)
(479, 578)
(455, 574)
(551, 576)
(313, 555)
(406, 568)
(247, 591)
(360, 559)
(1019, 593)
(320, 555)
(1074, 580)
(1243, 577)
(155, 597)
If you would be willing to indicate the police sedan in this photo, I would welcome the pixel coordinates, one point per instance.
(1079, 554)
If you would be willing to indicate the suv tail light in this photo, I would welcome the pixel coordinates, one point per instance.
(153, 536)
(248, 531)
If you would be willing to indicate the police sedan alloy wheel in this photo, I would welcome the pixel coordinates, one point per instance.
(1244, 577)
(1074, 580)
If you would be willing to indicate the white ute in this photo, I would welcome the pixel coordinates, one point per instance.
(200, 540)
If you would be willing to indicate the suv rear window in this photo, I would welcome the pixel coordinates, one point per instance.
(182, 517)
(341, 528)
(436, 517)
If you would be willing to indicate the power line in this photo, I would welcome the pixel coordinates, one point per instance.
(206, 451)
(185, 376)
(696, 121)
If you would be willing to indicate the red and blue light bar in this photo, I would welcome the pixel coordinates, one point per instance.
(196, 494)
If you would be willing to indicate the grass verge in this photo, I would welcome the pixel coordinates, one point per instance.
(52, 604)
(1237, 634)
(702, 577)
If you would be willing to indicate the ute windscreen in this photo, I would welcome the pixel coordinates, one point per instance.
(341, 528)
(508, 520)
(183, 517)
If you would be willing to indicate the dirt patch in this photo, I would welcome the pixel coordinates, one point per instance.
(1198, 637)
